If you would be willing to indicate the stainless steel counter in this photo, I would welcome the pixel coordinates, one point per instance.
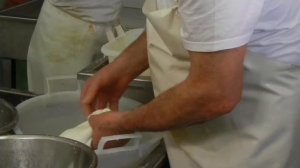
(16, 27)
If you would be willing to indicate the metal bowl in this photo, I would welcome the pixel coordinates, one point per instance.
(8, 117)
(33, 151)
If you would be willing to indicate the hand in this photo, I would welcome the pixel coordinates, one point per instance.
(104, 89)
(107, 86)
(107, 124)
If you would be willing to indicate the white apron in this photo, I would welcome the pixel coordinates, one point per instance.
(61, 45)
(262, 132)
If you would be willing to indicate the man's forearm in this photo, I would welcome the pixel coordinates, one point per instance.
(178, 107)
(134, 59)
(212, 89)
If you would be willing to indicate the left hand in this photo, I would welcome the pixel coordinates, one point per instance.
(107, 124)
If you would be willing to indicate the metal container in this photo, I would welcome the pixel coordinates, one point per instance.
(33, 151)
(8, 117)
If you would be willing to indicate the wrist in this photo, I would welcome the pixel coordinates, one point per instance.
(124, 68)
(127, 123)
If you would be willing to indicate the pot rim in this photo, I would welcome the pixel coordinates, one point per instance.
(68, 141)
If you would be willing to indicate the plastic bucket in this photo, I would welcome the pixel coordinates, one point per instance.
(140, 88)
(52, 114)
(58, 110)
(129, 156)
(117, 45)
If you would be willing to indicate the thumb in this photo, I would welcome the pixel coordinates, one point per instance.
(95, 140)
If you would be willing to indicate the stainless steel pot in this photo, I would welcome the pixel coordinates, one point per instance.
(8, 117)
(33, 151)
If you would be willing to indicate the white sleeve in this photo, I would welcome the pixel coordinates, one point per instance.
(213, 25)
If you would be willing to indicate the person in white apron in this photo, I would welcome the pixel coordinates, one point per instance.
(261, 131)
(67, 36)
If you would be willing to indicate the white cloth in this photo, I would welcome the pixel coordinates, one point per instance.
(268, 27)
(261, 132)
(96, 11)
(82, 132)
(61, 45)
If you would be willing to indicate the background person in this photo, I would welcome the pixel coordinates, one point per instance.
(67, 36)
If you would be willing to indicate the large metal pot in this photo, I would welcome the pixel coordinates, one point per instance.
(8, 117)
(32, 151)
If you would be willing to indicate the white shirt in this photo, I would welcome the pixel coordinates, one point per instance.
(268, 27)
(96, 11)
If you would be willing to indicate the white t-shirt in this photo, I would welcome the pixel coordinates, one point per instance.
(96, 11)
(268, 27)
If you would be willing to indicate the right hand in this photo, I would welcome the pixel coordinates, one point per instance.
(107, 86)
(104, 89)
(107, 124)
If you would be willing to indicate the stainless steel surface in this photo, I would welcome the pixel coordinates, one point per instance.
(16, 27)
(15, 96)
(140, 89)
(33, 151)
(8, 117)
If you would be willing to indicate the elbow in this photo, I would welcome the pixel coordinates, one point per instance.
(220, 104)
(227, 106)
(212, 100)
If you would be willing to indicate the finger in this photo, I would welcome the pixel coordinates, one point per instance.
(88, 96)
(95, 140)
(96, 136)
(86, 89)
(87, 109)
(114, 105)
(102, 102)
